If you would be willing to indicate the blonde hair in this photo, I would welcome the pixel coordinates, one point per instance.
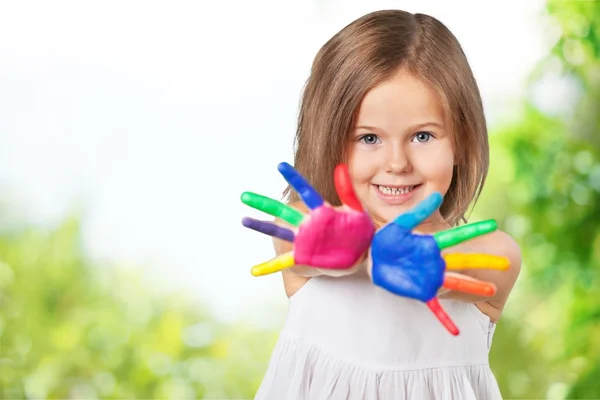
(371, 50)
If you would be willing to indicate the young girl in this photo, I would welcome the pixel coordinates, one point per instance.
(393, 97)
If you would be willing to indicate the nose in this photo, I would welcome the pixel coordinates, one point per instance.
(397, 160)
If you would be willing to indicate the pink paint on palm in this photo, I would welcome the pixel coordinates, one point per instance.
(333, 239)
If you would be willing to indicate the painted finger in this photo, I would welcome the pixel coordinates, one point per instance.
(435, 306)
(344, 188)
(273, 207)
(307, 193)
(286, 260)
(455, 236)
(420, 213)
(269, 228)
(475, 261)
(475, 287)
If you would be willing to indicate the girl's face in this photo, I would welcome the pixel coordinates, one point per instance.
(400, 149)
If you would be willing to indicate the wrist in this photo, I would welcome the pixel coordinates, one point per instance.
(305, 271)
(336, 273)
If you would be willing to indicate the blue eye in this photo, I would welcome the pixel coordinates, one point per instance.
(422, 137)
(368, 139)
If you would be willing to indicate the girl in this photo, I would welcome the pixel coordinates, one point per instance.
(393, 97)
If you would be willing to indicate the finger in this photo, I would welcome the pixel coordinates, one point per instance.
(475, 287)
(435, 306)
(344, 188)
(309, 196)
(272, 207)
(475, 261)
(420, 213)
(268, 228)
(455, 236)
(286, 260)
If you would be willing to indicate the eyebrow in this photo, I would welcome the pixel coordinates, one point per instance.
(414, 127)
(368, 128)
(432, 123)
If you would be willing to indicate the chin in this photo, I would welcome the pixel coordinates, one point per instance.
(390, 213)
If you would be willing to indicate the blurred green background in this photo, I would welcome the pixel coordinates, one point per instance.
(71, 329)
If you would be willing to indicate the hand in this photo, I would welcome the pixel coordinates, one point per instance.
(327, 238)
(412, 265)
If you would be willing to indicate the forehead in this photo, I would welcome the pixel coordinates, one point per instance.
(401, 100)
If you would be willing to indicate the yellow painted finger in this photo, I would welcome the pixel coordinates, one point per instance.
(475, 261)
(277, 264)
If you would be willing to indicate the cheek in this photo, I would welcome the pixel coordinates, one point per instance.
(438, 166)
(358, 167)
(443, 171)
(444, 167)
(360, 174)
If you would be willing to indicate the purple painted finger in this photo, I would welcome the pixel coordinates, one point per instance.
(268, 228)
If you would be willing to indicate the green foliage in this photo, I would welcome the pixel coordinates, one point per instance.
(72, 330)
(544, 189)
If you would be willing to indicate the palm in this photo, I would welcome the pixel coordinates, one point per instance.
(412, 265)
(333, 238)
(414, 268)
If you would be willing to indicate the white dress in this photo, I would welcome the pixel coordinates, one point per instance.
(345, 338)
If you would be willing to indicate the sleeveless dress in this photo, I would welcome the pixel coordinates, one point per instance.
(345, 338)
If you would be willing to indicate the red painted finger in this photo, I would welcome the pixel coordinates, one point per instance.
(344, 188)
(435, 306)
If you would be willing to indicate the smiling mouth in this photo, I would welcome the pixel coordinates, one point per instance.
(396, 190)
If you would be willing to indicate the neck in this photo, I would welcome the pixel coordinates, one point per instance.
(433, 224)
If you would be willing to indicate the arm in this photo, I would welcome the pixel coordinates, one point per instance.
(496, 243)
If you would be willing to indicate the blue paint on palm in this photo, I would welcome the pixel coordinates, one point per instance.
(407, 264)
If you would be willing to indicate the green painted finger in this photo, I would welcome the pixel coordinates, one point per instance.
(455, 236)
(272, 207)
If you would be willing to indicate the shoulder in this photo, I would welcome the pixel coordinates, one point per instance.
(500, 243)
(300, 206)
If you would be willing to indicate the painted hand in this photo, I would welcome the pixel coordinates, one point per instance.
(327, 238)
(412, 265)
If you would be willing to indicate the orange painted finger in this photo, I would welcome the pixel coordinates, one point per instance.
(479, 288)
(475, 261)
(277, 264)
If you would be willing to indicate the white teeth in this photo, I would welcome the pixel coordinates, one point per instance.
(394, 191)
